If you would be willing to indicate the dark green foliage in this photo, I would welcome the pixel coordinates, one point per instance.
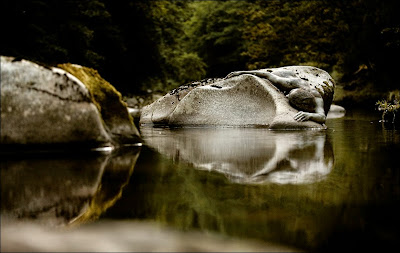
(338, 36)
(215, 33)
(131, 43)
(295, 32)
(177, 64)
(139, 45)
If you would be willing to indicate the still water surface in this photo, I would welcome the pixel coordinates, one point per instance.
(314, 190)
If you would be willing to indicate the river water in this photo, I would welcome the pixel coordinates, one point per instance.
(330, 190)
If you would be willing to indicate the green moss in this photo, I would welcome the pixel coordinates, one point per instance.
(107, 99)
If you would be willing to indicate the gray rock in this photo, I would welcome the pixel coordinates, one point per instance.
(336, 111)
(134, 112)
(244, 100)
(41, 106)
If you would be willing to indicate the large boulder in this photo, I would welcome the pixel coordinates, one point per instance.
(50, 106)
(244, 100)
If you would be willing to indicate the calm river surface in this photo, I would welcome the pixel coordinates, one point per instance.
(337, 189)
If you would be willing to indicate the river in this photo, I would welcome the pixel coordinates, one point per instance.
(330, 190)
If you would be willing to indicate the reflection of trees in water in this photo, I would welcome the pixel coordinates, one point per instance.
(390, 133)
(64, 190)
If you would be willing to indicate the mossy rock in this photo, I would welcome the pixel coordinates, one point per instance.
(64, 107)
(108, 101)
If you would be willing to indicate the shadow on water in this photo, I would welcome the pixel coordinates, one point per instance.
(64, 188)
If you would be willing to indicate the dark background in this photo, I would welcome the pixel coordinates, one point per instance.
(158, 45)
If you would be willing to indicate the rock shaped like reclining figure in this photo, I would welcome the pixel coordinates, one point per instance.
(249, 98)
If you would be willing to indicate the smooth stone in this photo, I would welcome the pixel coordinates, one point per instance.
(245, 101)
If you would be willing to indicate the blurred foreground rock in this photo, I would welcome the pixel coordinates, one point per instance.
(122, 236)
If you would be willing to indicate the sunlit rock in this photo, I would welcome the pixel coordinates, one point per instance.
(244, 100)
(246, 155)
(42, 105)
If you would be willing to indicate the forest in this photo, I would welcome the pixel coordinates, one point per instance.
(154, 46)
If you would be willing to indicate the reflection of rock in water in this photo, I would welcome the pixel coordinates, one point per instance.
(60, 190)
(248, 155)
(306, 159)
